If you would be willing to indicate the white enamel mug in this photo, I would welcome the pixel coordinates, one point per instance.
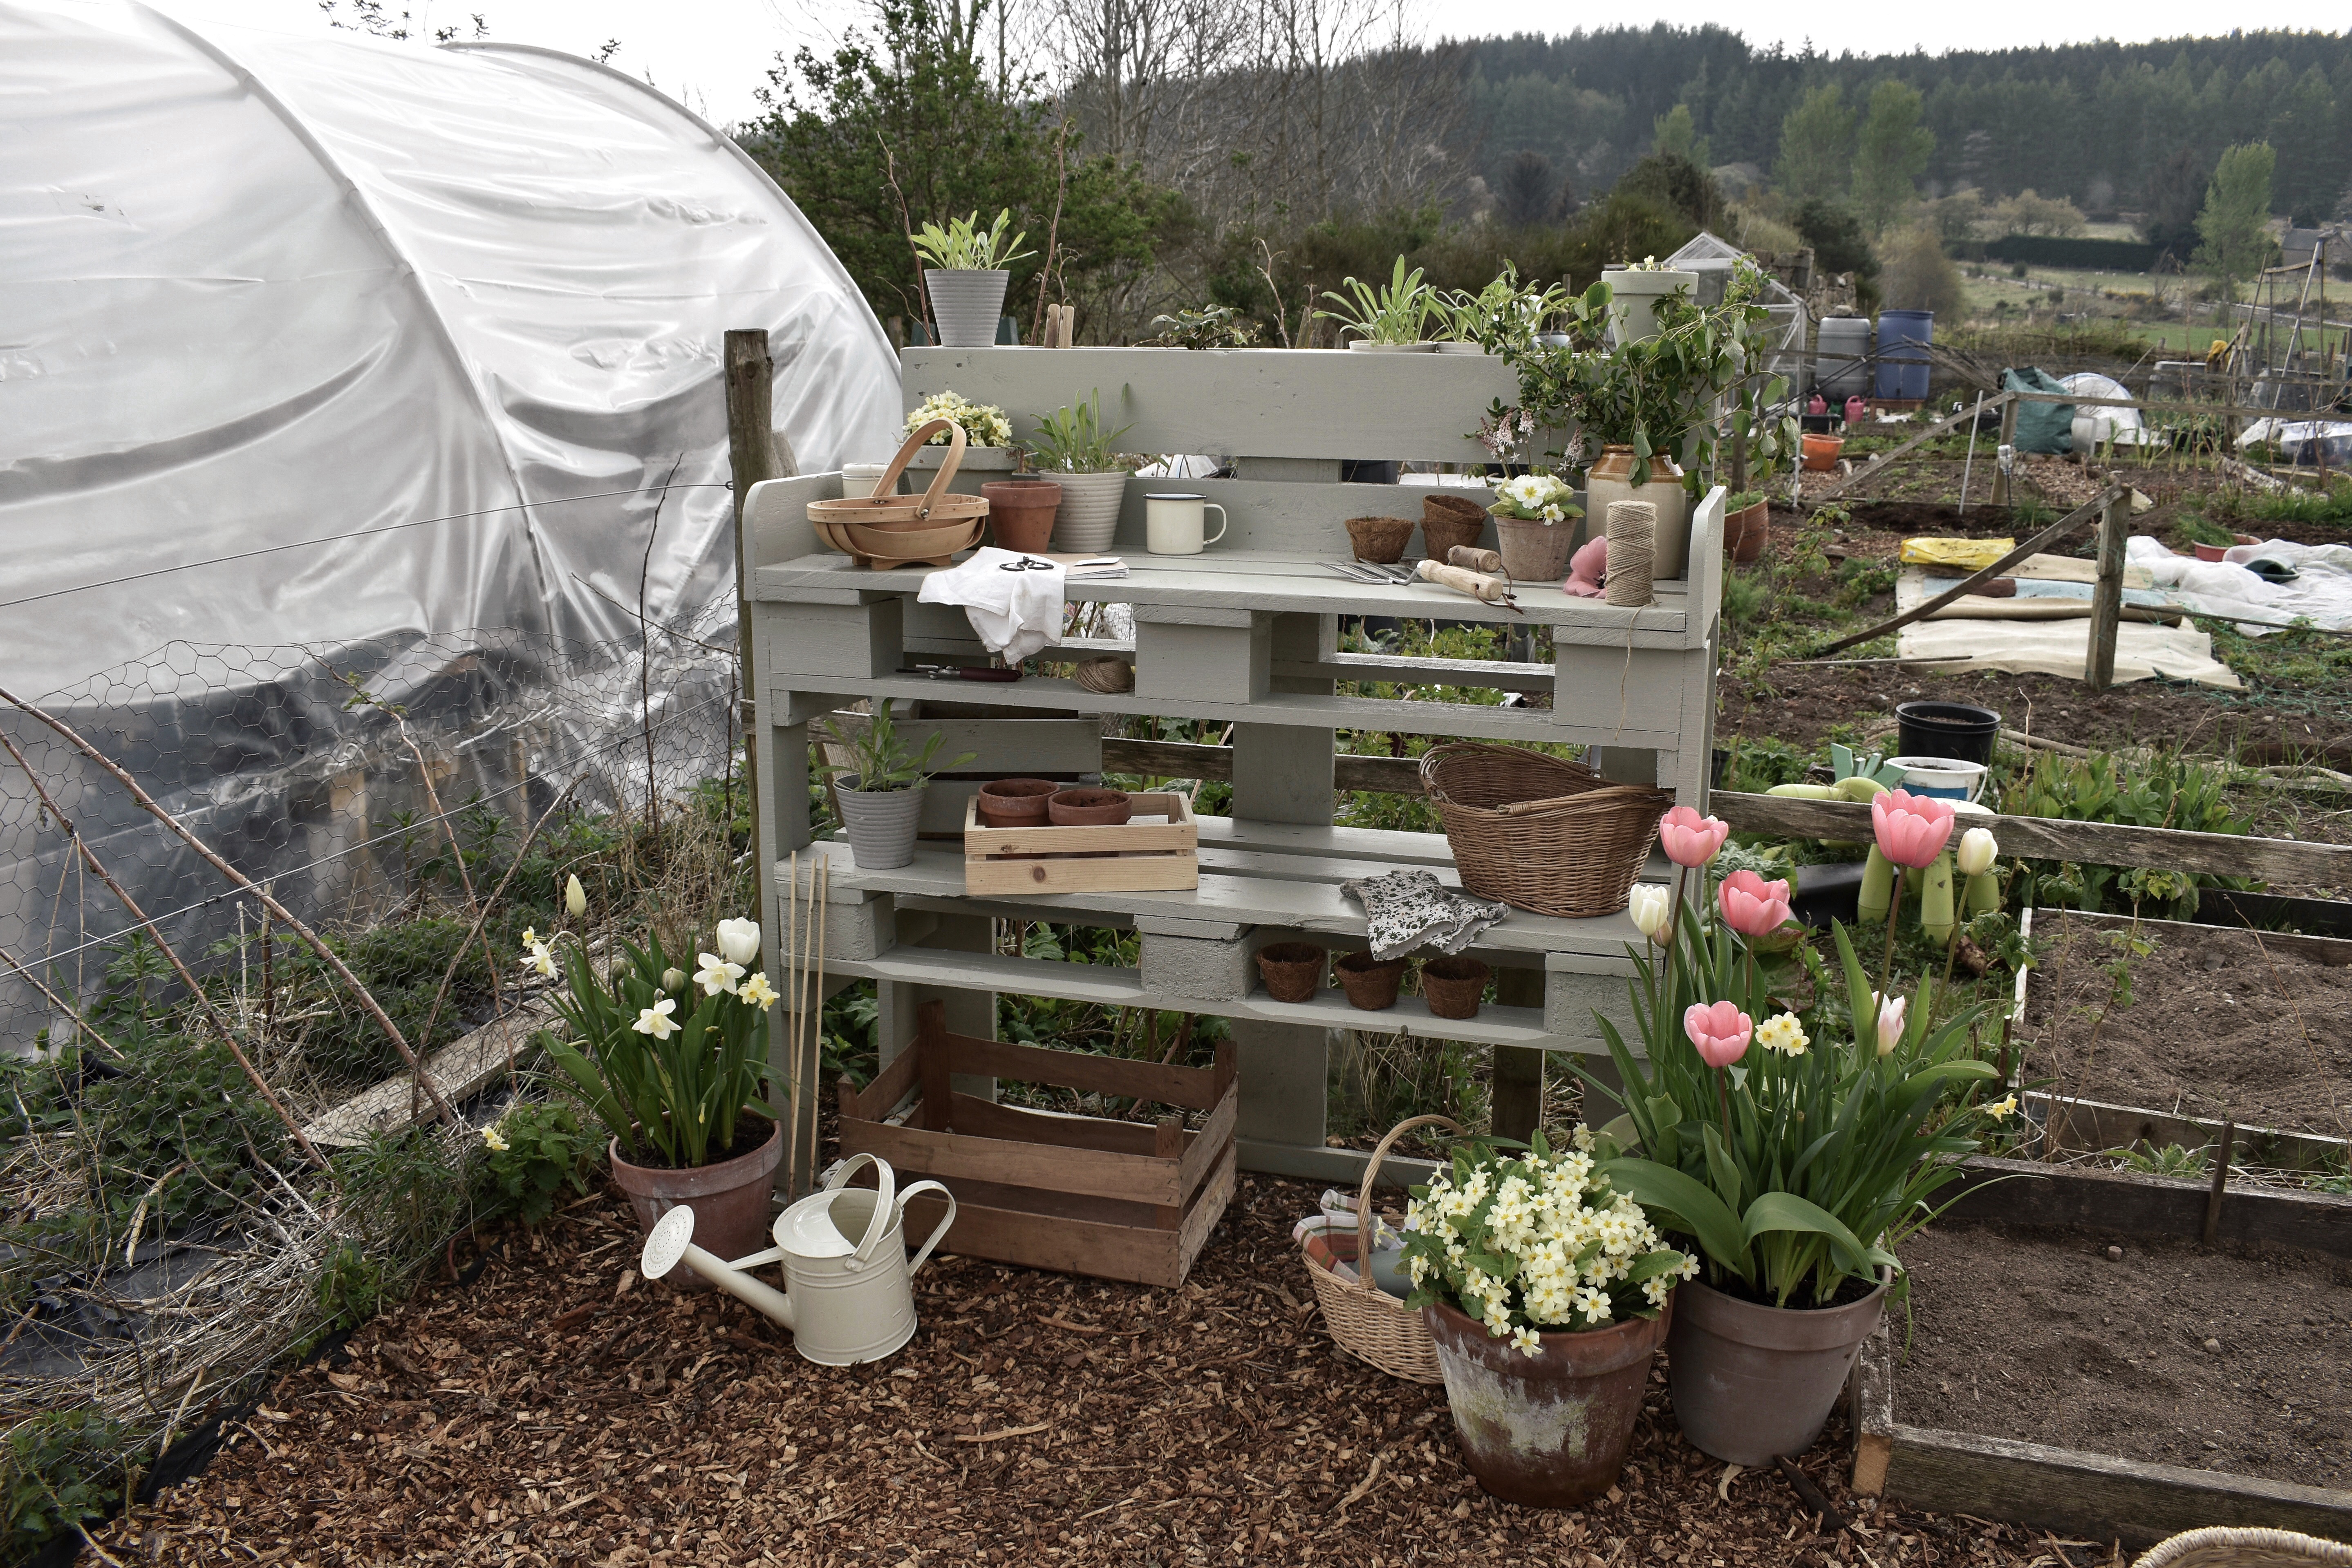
(1175, 522)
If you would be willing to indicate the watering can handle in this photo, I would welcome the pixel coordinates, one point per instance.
(886, 1207)
(939, 1230)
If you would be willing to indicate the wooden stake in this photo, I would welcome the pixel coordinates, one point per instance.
(2220, 1180)
(2107, 595)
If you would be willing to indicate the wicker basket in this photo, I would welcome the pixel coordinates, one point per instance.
(2223, 1548)
(1541, 834)
(1364, 1320)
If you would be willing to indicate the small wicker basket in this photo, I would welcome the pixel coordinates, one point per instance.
(1538, 832)
(1364, 1320)
(2218, 1547)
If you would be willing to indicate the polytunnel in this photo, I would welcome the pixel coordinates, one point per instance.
(333, 365)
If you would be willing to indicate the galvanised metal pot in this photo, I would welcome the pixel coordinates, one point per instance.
(1752, 1383)
(1548, 1430)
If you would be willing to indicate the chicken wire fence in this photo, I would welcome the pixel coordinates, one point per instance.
(169, 1233)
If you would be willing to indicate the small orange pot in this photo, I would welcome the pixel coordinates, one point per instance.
(1821, 452)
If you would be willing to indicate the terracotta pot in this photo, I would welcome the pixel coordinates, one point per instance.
(1370, 983)
(1450, 520)
(1746, 532)
(1089, 808)
(1293, 971)
(1015, 802)
(1534, 552)
(1611, 480)
(1751, 1382)
(1021, 513)
(1821, 453)
(729, 1200)
(1452, 987)
(1548, 1430)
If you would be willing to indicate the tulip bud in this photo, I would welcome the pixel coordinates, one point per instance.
(738, 940)
(1891, 1011)
(575, 898)
(1977, 852)
(1649, 905)
(673, 979)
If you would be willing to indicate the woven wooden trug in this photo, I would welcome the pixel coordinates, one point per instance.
(1364, 1320)
(1539, 832)
(2225, 1548)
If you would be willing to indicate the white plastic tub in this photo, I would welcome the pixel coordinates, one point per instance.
(1946, 777)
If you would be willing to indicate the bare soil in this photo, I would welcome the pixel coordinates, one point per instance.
(2222, 1024)
(561, 1411)
(2233, 1361)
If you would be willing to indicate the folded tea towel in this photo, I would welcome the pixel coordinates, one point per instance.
(1410, 909)
(1015, 612)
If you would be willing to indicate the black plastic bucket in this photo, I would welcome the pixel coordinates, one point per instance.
(1957, 730)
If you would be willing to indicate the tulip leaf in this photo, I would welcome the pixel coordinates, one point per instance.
(1689, 1206)
(1785, 1211)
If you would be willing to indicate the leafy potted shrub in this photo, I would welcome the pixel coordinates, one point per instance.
(674, 1066)
(1384, 320)
(882, 802)
(1535, 517)
(967, 277)
(1769, 441)
(987, 433)
(1072, 448)
(1545, 1287)
(1797, 1151)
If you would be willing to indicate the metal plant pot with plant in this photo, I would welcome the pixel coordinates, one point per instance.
(967, 277)
(1389, 320)
(882, 800)
(1071, 448)
(674, 1065)
(1797, 1152)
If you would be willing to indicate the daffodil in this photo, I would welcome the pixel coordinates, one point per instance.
(673, 979)
(716, 974)
(1999, 1109)
(541, 960)
(655, 1021)
(757, 991)
(497, 1143)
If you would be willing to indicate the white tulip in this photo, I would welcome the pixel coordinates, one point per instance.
(1649, 905)
(575, 898)
(1977, 852)
(739, 940)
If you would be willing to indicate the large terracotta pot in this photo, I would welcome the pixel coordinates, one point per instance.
(1610, 480)
(1746, 532)
(1548, 1430)
(1021, 513)
(729, 1200)
(1751, 1382)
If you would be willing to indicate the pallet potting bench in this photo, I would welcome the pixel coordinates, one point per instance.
(1245, 635)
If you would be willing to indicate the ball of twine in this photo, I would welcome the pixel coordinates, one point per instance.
(1633, 535)
(1108, 676)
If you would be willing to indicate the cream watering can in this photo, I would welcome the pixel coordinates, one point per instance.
(843, 1301)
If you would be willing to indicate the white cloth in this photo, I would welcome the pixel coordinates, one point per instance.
(2321, 590)
(1015, 612)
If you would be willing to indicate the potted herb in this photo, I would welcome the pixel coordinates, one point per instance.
(1535, 517)
(1384, 320)
(1797, 1149)
(1073, 448)
(674, 1064)
(1506, 314)
(1544, 1286)
(967, 277)
(882, 802)
(1209, 327)
(987, 433)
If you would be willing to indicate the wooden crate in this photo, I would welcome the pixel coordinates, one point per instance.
(1079, 1195)
(1132, 857)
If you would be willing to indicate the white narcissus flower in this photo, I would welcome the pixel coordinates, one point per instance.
(757, 991)
(739, 940)
(575, 898)
(540, 961)
(1649, 905)
(1999, 1109)
(716, 974)
(1977, 852)
(655, 1021)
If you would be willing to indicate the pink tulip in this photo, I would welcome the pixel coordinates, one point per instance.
(1752, 906)
(1721, 1032)
(1891, 1012)
(1691, 839)
(1911, 828)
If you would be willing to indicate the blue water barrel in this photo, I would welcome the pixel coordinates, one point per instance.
(1903, 368)
(1841, 350)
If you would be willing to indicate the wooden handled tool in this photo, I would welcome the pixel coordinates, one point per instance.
(1472, 558)
(1477, 585)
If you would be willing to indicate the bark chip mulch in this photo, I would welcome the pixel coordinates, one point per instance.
(561, 1411)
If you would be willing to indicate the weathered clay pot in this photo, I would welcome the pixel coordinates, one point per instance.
(1293, 971)
(1534, 552)
(1089, 808)
(729, 1200)
(1015, 802)
(1746, 531)
(1021, 513)
(1548, 1430)
(1371, 984)
(1752, 1383)
(1453, 985)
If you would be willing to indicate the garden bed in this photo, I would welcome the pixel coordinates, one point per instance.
(2078, 1360)
(2217, 1022)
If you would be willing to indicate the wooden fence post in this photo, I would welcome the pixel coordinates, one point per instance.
(2108, 595)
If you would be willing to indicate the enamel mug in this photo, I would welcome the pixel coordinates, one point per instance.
(1174, 523)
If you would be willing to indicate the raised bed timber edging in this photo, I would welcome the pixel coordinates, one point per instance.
(2072, 1124)
(2097, 1497)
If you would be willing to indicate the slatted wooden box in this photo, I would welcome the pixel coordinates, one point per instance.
(1079, 1195)
(1130, 857)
